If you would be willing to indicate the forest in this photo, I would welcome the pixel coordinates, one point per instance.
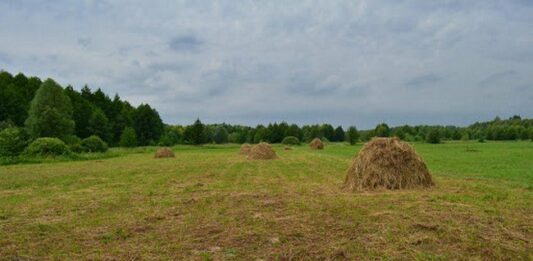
(72, 115)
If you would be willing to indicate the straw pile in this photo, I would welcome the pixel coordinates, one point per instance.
(245, 149)
(262, 151)
(387, 163)
(316, 144)
(164, 152)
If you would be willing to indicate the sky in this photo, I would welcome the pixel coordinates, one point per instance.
(254, 62)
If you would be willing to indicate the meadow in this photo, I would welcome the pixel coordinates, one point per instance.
(210, 203)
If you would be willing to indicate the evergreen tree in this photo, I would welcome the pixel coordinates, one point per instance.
(328, 132)
(352, 135)
(195, 134)
(128, 138)
(99, 125)
(382, 130)
(339, 134)
(147, 125)
(50, 113)
(82, 111)
(295, 131)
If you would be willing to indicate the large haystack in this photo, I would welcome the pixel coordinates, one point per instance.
(262, 151)
(316, 144)
(245, 149)
(164, 152)
(387, 163)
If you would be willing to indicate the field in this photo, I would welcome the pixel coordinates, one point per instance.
(211, 203)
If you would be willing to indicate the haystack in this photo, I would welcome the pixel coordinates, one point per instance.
(262, 151)
(245, 149)
(287, 148)
(164, 152)
(316, 144)
(387, 163)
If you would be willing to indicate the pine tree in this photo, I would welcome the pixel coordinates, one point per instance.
(147, 125)
(99, 125)
(195, 133)
(352, 135)
(128, 138)
(339, 134)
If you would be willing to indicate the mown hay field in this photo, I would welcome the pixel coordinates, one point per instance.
(212, 203)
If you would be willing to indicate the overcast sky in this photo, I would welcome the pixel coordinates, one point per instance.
(250, 62)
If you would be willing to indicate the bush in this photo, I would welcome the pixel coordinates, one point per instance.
(71, 139)
(47, 147)
(291, 140)
(93, 144)
(12, 141)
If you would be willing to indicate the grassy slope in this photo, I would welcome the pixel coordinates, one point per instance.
(213, 203)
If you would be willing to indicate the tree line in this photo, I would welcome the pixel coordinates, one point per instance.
(46, 109)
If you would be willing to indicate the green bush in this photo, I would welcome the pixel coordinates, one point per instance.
(73, 142)
(12, 141)
(47, 147)
(93, 144)
(71, 139)
(291, 140)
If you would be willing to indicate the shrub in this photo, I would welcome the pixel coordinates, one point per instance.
(71, 139)
(73, 142)
(47, 147)
(291, 140)
(93, 144)
(12, 141)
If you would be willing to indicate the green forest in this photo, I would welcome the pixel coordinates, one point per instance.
(90, 120)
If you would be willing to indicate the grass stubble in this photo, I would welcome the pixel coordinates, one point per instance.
(210, 203)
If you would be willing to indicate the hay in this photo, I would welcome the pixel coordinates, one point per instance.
(262, 151)
(164, 152)
(287, 148)
(245, 149)
(316, 144)
(387, 163)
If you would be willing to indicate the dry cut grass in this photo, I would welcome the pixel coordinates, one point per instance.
(214, 204)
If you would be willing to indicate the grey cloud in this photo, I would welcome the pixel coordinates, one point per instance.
(185, 43)
(423, 81)
(84, 41)
(359, 62)
(496, 78)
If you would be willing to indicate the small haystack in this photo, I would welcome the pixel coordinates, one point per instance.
(287, 148)
(245, 149)
(164, 152)
(262, 151)
(387, 163)
(316, 144)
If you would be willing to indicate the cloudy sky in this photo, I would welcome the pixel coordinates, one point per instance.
(250, 62)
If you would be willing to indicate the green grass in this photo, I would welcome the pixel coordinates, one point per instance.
(211, 203)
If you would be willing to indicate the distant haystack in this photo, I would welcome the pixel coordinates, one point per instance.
(245, 149)
(387, 163)
(262, 151)
(287, 148)
(316, 144)
(164, 152)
